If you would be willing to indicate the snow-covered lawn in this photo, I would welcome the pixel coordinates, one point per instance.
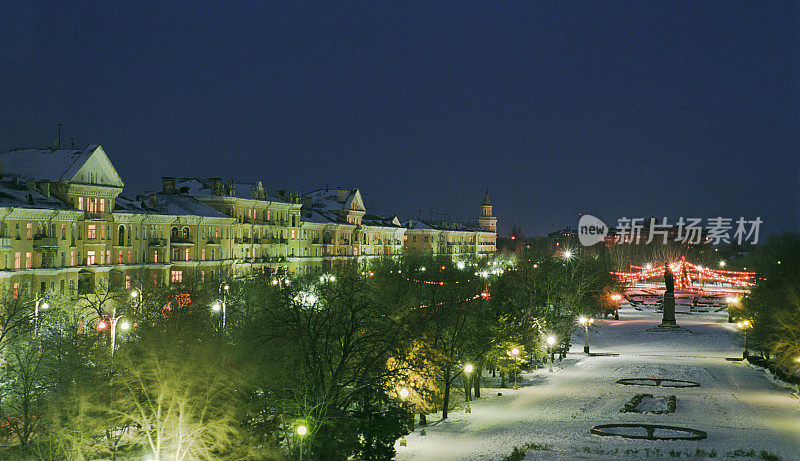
(739, 407)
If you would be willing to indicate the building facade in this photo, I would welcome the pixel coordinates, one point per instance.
(66, 228)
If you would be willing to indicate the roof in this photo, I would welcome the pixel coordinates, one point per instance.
(422, 224)
(173, 205)
(45, 164)
(198, 187)
(381, 221)
(19, 196)
(336, 199)
(486, 201)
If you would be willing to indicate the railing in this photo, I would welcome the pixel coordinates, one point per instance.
(214, 241)
(42, 242)
(181, 240)
(157, 242)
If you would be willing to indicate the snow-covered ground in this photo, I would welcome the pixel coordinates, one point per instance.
(742, 411)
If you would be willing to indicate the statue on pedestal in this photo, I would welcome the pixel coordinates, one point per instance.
(669, 298)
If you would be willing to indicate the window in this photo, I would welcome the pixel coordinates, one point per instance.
(91, 231)
(80, 203)
(292, 234)
(63, 232)
(119, 257)
(203, 254)
(102, 258)
(17, 260)
(28, 260)
(186, 254)
(102, 205)
(62, 287)
(108, 256)
(71, 258)
(28, 230)
(90, 258)
(177, 276)
(72, 287)
(16, 289)
(127, 282)
(413, 238)
(155, 256)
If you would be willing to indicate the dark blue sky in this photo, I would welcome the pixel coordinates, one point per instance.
(630, 109)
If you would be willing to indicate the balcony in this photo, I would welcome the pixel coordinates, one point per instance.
(214, 241)
(93, 215)
(181, 241)
(45, 242)
(157, 242)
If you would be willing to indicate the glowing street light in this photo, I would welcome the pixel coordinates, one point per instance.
(744, 325)
(515, 354)
(403, 392)
(301, 430)
(567, 254)
(732, 301)
(40, 303)
(136, 294)
(460, 265)
(586, 321)
(722, 264)
(551, 341)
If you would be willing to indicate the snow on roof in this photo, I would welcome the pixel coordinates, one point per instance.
(381, 221)
(19, 196)
(174, 205)
(201, 187)
(329, 199)
(45, 164)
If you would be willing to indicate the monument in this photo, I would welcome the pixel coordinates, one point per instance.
(669, 298)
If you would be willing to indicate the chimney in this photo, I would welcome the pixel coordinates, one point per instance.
(341, 195)
(216, 185)
(153, 201)
(231, 189)
(30, 184)
(168, 183)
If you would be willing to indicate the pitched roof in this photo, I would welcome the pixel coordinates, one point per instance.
(173, 205)
(45, 164)
(19, 196)
(486, 201)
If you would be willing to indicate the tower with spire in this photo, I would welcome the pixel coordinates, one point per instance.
(486, 220)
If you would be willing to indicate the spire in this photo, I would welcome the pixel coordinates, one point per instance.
(486, 201)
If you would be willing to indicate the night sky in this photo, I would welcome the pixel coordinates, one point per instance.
(633, 109)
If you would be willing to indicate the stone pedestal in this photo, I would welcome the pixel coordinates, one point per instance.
(669, 309)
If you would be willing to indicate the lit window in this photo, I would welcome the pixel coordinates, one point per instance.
(108, 256)
(71, 258)
(102, 205)
(127, 282)
(80, 203)
(28, 230)
(292, 234)
(28, 260)
(177, 276)
(17, 260)
(186, 254)
(102, 258)
(16, 289)
(90, 258)
(91, 231)
(119, 258)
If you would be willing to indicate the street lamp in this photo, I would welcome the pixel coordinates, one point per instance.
(302, 430)
(468, 369)
(732, 301)
(616, 298)
(744, 325)
(515, 354)
(136, 293)
(567, 254)
(551, 341)
(40, 303)
(113, 320)
(224, 288)
(586, 321)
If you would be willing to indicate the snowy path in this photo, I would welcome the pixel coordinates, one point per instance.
(736, 405)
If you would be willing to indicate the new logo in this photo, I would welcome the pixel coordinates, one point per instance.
(591, 230)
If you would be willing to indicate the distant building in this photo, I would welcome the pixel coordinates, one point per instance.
(66, 228)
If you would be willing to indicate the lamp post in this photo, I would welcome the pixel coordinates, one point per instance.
(732, 301)
(302, 430)
(223, 288)
(586, 321)
(136, 294)
(551, 341)
(744, 325)
(113, 321)
(40, 302)
(616, 297)
(468, 369)
(514, 355)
